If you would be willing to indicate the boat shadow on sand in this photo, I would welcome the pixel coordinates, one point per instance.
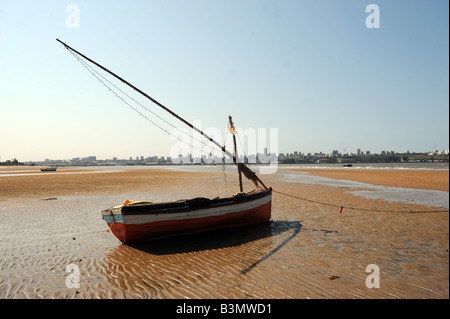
(223, 238)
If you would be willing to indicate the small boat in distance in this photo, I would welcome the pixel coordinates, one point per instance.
(347, 165)
(48, 169)
(139, 221)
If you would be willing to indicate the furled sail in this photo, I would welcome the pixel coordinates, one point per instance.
(248, 173)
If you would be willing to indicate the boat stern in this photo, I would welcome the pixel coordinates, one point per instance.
(114, 218)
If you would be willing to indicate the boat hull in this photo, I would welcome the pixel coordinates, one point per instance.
(146, 222)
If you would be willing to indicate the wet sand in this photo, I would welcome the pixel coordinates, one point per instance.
(308, 250)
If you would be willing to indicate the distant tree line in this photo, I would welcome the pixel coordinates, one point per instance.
(13, 162)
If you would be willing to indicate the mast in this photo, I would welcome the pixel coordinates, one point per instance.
(233, 131)
(241, 167)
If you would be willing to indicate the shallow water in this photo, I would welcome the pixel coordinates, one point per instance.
(392, 194)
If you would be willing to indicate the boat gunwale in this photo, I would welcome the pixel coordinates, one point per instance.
(186, 204)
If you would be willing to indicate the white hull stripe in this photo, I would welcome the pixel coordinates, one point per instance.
(201, 213)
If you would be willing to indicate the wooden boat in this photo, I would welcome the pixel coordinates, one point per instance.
(138, 221)
(48, 169)
(347, 165)
(133, 221)
(142, 221)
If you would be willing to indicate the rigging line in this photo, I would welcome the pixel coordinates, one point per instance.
(248, 173)
(143, 106)
(223, 161)
(154, 101)
(363, 209)
(130, 104)
(242, 146)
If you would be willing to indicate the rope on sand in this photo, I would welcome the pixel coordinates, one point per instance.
(341, 208)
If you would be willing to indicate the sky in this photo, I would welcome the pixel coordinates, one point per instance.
(307, 76)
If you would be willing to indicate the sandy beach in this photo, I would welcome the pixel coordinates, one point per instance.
(309, 250)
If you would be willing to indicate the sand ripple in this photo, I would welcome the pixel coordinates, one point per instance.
(306, 251)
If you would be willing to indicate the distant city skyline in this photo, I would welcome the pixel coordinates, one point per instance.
(333, 151)
(251, 157)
